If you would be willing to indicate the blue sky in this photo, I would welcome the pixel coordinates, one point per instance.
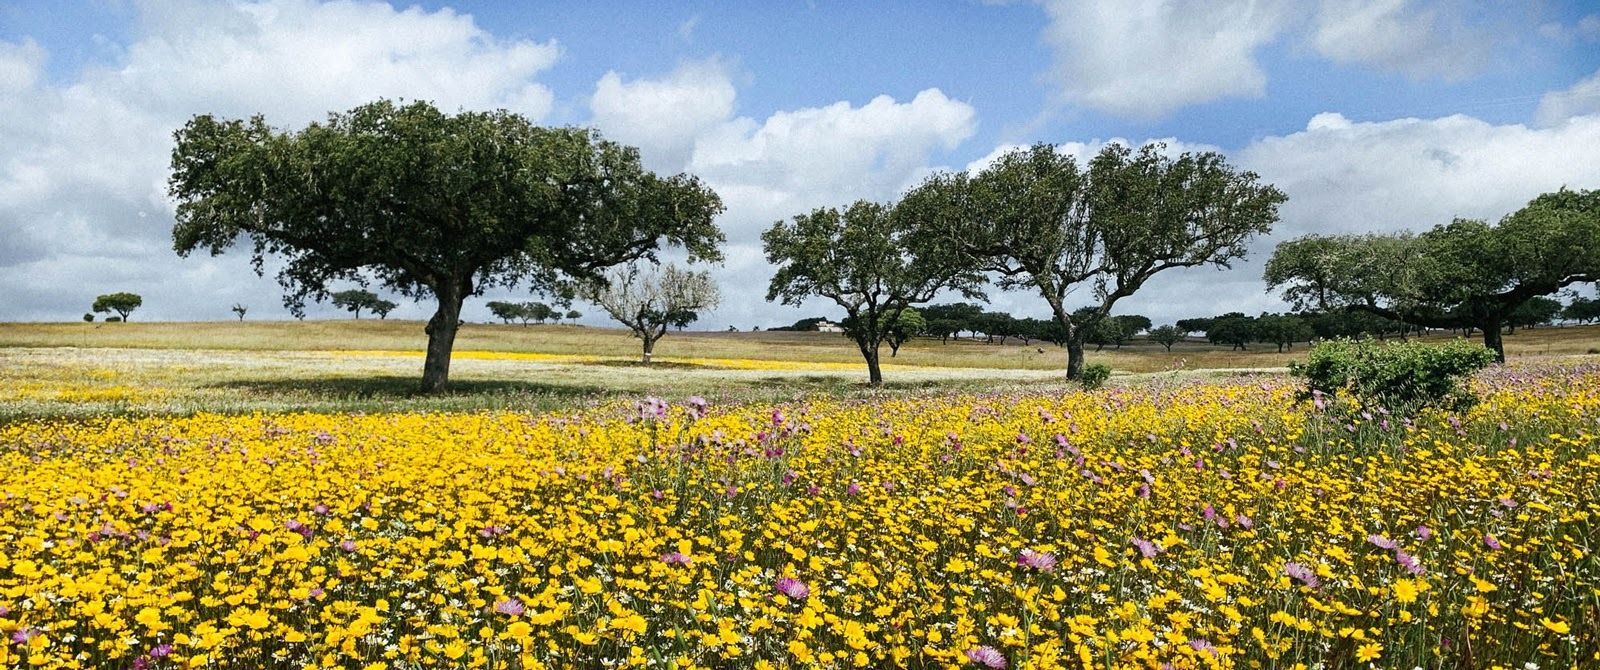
(1371, 114)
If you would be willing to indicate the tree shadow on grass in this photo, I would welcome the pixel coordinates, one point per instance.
(399, 387)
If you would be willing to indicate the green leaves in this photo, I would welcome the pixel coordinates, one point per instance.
(1400, 377)
(122, 303)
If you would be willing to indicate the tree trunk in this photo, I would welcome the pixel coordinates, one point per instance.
(894, 349)
(1074, 359)
(441, 331)
(649, 348)
(874, 373)
(1491, 339)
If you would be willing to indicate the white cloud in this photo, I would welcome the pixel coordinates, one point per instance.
(664, 117)
(83, 172)
(788, 163)
(1404, 36)
(1580, 99)
(1146, 58)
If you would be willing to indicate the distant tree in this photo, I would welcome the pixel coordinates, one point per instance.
(1099, 330)
(1038, 220)
(908, 325)
(1134, 323)
(1283, 330)
(113, 319)
(1538, 311)
(382, 308)
(430, 204)
(1466, 274)
(1030, 329)
(1582, 310)
(354, 300)
(1167, 336)
(504, 311)
(682, 318)
(240, 310)
(869, 262)
(645, 298)
(121, 303)
(996, 324)
(539, 311)
(1234, 328)
(88, 317)
(1194, 325)
(573, 315)
(945, 321)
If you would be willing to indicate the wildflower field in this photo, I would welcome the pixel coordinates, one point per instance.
(1182, 524)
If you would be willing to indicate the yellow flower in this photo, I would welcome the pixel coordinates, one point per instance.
(1559, 627)
(1370, 651)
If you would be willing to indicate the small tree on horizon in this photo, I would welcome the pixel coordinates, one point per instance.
(382, 308)
(647, 299)
(121, 303)
(908, 325)
(240, 310)
(573, 315)
(355, 300)
(1167, 336)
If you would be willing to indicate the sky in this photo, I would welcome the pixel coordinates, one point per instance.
(1371, 115)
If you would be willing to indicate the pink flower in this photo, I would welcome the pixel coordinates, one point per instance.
(1146, 548)
(510, 607)
(1492, 543)
(792, 587)
(988, 657)
(1302, 573)
(1381, 542)
(1043, 561)
(1424, 532)
(676, 558)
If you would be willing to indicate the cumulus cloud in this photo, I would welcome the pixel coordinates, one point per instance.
(1146, 58)
(1405, 36)
(664, 117)
(1143, 59)
(772, 168)
(1580, 99)
(83, 171)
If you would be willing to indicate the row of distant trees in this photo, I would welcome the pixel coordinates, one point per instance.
(524, 312)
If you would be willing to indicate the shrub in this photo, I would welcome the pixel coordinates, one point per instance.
(1094, 376)
(113, 319)
(88, 318)
(1401, 376)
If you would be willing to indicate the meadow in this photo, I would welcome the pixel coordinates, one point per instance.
(972, 517)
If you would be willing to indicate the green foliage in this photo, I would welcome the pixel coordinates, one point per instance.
(113, 319)
(907, 325)
(1582, 310)
(1465, 274)
(1284, 330)
(429, 204)
(1399, 376)
(1094, 376)
(869, 261)
(382, 307)
(240, 310)
(88, 317)
(1537, 311)
(355, 300)
(1167, 336)
(1234, 328)
(121, 303)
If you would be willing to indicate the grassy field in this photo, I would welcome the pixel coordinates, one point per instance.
(78, 369)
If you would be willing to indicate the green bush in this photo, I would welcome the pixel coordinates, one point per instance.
(113, 319)
(1094, 376)
(88, 318)
(1400, 376)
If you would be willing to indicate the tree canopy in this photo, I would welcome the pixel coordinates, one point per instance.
(355, 300)
(1465, 274)
(1038, 220)
(430, 204)
(868, 261)
(122, 303)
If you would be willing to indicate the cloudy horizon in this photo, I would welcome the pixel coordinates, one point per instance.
(1371, 115)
